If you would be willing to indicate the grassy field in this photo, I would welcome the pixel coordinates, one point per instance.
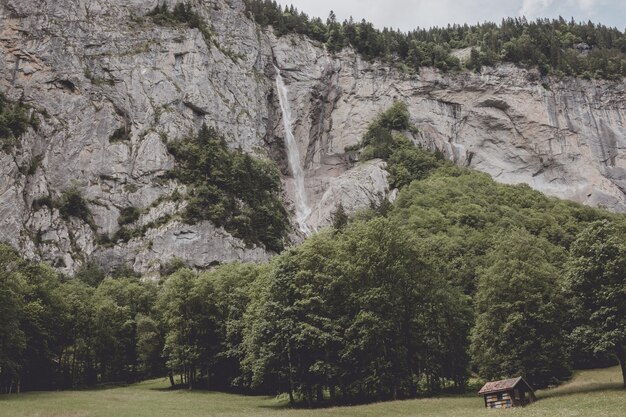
(590, 393)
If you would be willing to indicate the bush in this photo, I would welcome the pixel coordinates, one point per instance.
(41, 202)
(14, 121)
(395, 118)
(72, 204)
(408, 164)
(90, 273)
(172, 265)
(128, 215)
(405, 162)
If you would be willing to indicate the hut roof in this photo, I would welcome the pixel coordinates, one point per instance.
(504, 385)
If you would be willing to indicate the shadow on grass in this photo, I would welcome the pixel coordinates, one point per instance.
(566, 391)
(202, 390)
(277, 406)
(234, 394)
(168, 389)
(87, 388)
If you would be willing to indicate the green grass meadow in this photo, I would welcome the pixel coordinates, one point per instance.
(596, 393)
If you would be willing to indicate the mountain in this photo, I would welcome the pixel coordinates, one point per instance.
(111, 86)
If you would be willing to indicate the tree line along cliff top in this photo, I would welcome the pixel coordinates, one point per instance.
(556, 47)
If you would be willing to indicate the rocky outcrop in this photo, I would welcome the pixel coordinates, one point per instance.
(111, 87)
(354, 189)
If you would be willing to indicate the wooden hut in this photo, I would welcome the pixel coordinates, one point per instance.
(508, 393)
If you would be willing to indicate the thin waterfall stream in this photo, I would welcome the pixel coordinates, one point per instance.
(293, 155)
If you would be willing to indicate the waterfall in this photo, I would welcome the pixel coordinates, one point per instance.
(293, 155)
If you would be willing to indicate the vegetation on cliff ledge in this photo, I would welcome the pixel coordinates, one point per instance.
(14, 121)
(231, 189)
(386, 138)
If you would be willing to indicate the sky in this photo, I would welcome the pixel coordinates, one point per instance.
(409, 14)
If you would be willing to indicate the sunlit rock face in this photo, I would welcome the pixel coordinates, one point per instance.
(97, 67)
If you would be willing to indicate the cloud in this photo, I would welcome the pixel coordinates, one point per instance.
(534, 8)
(587, 4)
(410, 14)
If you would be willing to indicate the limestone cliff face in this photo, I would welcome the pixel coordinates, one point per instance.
(94, 67)
(98, 66)
(566, 138)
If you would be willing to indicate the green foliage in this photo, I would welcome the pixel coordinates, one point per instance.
(384, 139)
(194, 332)
(231, 189)
(128, 215)
(171, 266)
(14, 121)
(148, 346)
(12, 303)
(30, 334)
(554, 46)
(183, 13)
(90, 273)
(597, 280)
(116, 304)
(381, 310)
(73, 204)
(459, 215)
(379, 135)
(202, 320)
(124, 234)
(520, 294)
(339, 218)
(409, 163)
(178, 304)
(70, 204)
(395, 118)
(358, 312)
(65, 334)
(379, 140)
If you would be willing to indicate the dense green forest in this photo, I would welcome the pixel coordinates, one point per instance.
(459, 275)
(557, 47)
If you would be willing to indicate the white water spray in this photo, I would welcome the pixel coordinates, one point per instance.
(293, 155)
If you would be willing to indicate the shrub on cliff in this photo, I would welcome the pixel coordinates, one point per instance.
(385, 139)
(14, 121)
(73, 204)
(231, 189)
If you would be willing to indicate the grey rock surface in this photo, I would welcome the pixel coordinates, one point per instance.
(566, 137)
(92, 68)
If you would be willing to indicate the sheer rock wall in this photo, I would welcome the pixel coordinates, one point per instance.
(94, 68)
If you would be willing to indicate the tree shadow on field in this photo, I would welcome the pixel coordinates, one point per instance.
(101, 387)
(278, 406)
(566, 390)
